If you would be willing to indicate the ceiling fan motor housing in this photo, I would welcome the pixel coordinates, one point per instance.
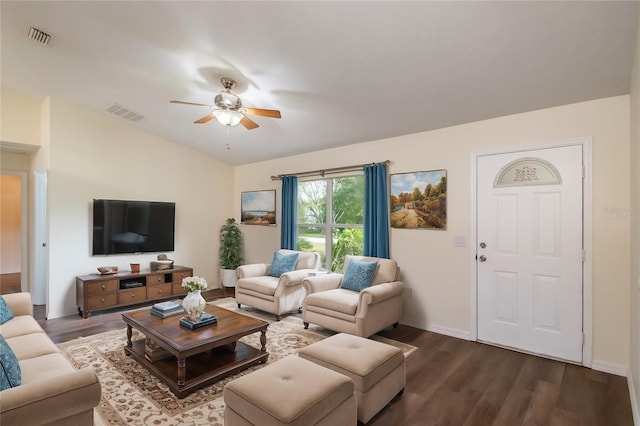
(226, 100)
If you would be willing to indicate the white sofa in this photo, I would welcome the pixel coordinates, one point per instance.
(51, 392)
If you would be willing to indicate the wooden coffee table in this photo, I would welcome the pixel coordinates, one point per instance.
(187, 360)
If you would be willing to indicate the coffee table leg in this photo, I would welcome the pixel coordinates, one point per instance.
(181, 371)
(263, 340)
(129, 334)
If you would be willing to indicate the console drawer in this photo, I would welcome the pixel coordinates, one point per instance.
(178, 289)
(157, 291)
(132, 295)
(101, 301)
(177, 277)
(155, 279)
(98, 287)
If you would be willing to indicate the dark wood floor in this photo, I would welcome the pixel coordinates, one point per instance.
(457, 382)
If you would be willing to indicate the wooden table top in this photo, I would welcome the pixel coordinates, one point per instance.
(180, 340)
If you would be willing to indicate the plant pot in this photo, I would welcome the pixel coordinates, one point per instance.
(229, 277)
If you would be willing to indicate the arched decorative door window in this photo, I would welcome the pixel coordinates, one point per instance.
(528, 171)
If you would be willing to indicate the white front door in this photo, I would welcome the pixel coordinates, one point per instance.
(530, 251)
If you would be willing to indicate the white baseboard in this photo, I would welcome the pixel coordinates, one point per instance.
(447, 331)
(607, 367)
(634, 400)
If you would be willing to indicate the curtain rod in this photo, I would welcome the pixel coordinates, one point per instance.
(334, 170)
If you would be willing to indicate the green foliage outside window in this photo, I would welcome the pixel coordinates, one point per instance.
(345, 196)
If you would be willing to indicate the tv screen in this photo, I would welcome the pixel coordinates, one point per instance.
(121, 226)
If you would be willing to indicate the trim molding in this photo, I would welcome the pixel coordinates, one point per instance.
(607, 367)
(440, 329)
(634, 400)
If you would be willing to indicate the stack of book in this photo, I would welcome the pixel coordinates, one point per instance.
(166, 309)
(206, 319)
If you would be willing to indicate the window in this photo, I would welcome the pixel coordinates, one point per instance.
(330, 218)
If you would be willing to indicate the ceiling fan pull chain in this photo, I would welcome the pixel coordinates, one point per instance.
(228, 136)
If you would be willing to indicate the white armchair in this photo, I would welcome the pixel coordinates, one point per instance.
(361, 313)
(277, 295)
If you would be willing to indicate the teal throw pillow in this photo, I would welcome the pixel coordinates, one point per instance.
(9, 368)
(5, 312)
(358, 275)
(283, 263)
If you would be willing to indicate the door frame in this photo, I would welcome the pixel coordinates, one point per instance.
(587, 265)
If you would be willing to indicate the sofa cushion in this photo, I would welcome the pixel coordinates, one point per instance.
(20, 325)
(5, 311)
(339, 299)
(32, 345)
(10, 374)
(264, 285)
(358, 275)
(283, 263)
(45, 367)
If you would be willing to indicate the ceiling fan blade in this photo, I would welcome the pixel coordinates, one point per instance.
(205, 119)
(191, 103)
(248, 123)
(273, 113)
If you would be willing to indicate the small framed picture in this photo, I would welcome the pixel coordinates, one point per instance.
(258, 208)
(418, 200)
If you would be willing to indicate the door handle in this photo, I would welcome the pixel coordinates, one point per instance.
(482, 258)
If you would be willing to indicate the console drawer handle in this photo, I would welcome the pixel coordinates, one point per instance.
(102, 299)
(104, 287)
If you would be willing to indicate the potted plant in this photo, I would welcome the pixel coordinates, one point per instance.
(230, 255)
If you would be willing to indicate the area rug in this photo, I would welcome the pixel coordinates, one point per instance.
(132, 395)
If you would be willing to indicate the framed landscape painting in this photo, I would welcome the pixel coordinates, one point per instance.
(418, 200)
(258, 208)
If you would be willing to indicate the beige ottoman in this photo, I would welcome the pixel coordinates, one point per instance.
(291, 391)
(377, 369)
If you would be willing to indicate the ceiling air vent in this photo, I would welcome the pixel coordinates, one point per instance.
(125, 113)
(39, 36)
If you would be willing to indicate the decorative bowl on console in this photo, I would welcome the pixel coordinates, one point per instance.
(106, 270)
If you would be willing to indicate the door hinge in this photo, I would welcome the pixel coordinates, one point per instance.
(584, 256)
(584, 338)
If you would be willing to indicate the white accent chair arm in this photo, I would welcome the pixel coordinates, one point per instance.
(252, 270)
(293, 277)
(322, 283)
(377, 294)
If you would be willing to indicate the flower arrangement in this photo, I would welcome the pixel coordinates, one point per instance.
(194, 283)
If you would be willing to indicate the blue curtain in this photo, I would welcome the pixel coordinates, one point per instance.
(289, 212)
(376, 211)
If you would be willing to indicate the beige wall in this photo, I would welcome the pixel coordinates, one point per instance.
(438, 272)
(92, 155)
(634, 215)
(19, 119)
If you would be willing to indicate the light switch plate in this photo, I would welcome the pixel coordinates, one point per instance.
(459, 241)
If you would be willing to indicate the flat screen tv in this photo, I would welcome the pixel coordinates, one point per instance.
(121, 226)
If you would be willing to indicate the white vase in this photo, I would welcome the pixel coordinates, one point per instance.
(193, 304)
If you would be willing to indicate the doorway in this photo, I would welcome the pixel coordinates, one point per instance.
(13, 232)
(529, 267)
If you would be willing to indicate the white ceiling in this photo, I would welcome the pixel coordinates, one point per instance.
(340, 72)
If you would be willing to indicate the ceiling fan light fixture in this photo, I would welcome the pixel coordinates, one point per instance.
(228, 117)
